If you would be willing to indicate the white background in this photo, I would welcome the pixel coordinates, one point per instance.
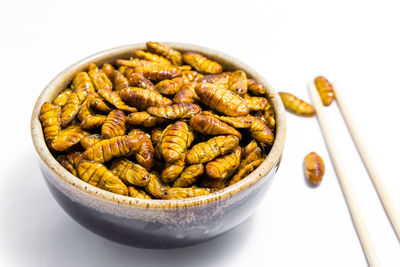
(355, 44)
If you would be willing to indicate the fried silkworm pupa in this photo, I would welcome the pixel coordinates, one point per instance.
(49, 115)
(171, 171)
(142, 98)
(63, 160)
(90, 140)
(145, 155)
(325, 90)
(155, 187)
(236, 122)
(114, 125)
(163, 50)
(222, 100)
(88, 119)
(190, 76)
(246, 170)
(133, 192)
(176, 111)
(214, 184)
(181, 193)
(75, 158)
(256, 88)
(187, 94)
(98, 103)
(201, 63)
(144, 119)
(99, 78)
(225, 166)
(269, 116)
(114, 147)
(235, 81)
(62, 98)
(250, 153)
(189, 175)
(68, 137)
(206, 151)
(170, 87)
(108, 69)
(175, 140)
(98, 175)
(314, 168)
(210, 125)
(158, 73)
(151, 57)
(255, 103)
(119, 80)
(297, 106)
(130, 173)
(138, 80)
(156, 135)
(82, 82)
(261, 133)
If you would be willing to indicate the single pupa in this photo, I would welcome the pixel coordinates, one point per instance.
(176, 111)
(183, 192)
(63, 160)
(171, 171)
(133, 192)
(89, 120)
(130, 173)
(108, 69)
(144, 119)
(157, 73)
(222, 100)
(138, 80)
(98, 103)
(296, 105)
(189, 175)
(244, 171)
(62, 98)
(223, 167)
(261, 133)
(255, 103)
(170, 87)
(90, 140)
(142, 98)
(206, 151)
(175, 140)
(314, 168)
(163, 50)
(145, 154)
(325, 90)
(98, 175)
(235, 81)
(49, 115)
(201, 63)
(236, 122)
(210, 125)
(151, 57)
(256, 88)
(68, 137)
(187, 94)
(114, 125)
(156, 187)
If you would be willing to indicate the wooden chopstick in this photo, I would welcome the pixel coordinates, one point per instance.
(386, 201)
(344, 182)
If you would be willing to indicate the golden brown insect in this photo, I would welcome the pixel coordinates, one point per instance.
(201, 63)
(98, 175)
(90, 140)
(175, 140)
(206, 151)
(156, 135)
(49, 115)
(144, 119)
(63, 160)
(210, 125)
(133, 192)
(325, 90)
(296, 105)
(172, 171)
(260, 132)
(145, 154)
(170, 87)
(62, 97)
(269, 116)
(71, 108)
(225, 166)
(151, 57)
(250, 153)
(114, 125)
(88, 119)
(235, 81)
(68, 137)
(181, 193)
(142, 98)
(176, 111)
(130, 173)
(314, 168)
(107, 149)
(98, 103)
(237, 122)
(134, 62)
(99, 78)
(114, 98)
(189, 175)
(155, 187)
(255, 103)
(75, 157)
(187, 94)
(138, 80)
(82, 82)
(158, 72)
(190, 76)
(256, 88)
(246, 170)
(108, 69)
(222, 100)
(163, 50)
(119, 80)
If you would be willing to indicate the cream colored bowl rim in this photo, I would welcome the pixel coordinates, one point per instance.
(260, 173)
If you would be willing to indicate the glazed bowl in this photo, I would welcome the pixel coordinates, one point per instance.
(156, 223)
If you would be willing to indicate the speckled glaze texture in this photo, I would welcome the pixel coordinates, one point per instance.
(156, 223)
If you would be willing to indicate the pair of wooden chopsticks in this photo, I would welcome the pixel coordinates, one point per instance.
(348, 193)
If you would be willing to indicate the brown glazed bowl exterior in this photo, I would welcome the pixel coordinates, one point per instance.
(156, 223)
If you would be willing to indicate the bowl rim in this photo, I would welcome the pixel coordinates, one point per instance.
(258, 174)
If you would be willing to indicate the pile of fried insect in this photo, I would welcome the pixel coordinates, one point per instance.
(163, 125)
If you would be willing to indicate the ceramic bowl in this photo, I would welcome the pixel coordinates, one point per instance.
(156, 223)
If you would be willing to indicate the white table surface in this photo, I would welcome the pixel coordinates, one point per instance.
(356, 44)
